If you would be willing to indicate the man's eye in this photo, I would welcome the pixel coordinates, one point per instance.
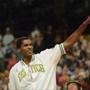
(25, 45)
(30, 44)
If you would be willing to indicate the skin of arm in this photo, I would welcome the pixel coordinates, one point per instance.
(75, 35)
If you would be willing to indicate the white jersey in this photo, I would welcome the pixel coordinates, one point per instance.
(40, 74)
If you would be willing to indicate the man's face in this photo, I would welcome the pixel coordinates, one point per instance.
(26, 48)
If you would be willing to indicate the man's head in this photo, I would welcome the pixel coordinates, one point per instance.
(24, 46)
(74, 86)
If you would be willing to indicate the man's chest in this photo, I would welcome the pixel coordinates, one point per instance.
(31, 72)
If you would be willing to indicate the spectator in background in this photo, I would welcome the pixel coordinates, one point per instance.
(87, 62)
(83, 41)
(71, 62)
(11, 59)
(64, 77)
(2, 55)
(82, 47)
(2, 52)
(34, 33)
(38, 41)
(73, 85)
(58, 74)
(86, 84)
(8, 36)
(11, 46)
(49, 36)
(4, 80)
(88, 50)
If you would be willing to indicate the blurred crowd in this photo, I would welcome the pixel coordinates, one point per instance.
(74, 66)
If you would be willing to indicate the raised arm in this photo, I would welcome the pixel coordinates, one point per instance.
(74, 36)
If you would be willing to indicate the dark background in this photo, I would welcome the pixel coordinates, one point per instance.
(23, 15)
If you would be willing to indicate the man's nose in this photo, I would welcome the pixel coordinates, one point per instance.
(29, 47)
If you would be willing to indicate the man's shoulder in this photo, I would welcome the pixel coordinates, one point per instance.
(15, 67)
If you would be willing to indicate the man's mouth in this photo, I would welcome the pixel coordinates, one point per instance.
(29, 52)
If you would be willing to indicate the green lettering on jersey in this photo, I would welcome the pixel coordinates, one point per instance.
(21, 74)
(37, 68)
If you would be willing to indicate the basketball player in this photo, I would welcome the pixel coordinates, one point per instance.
(38, 71)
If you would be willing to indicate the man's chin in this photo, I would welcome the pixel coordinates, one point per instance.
(29, 55)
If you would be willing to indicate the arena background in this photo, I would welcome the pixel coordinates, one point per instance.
(49, 22)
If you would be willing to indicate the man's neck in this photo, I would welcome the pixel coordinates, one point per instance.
(27, 60)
